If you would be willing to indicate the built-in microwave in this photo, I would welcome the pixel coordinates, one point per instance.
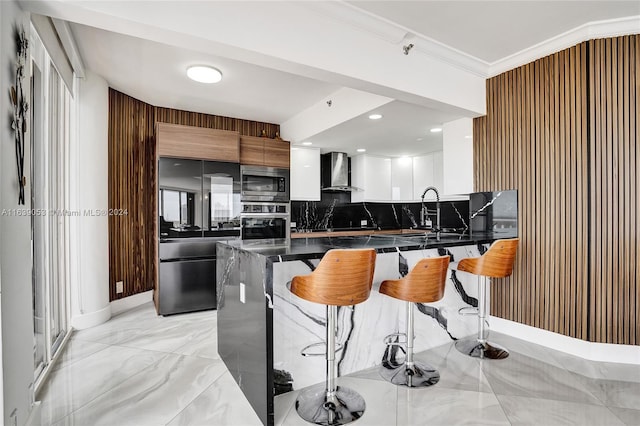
(264, 184)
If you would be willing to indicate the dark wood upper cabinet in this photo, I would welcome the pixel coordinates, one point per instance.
(264, 152)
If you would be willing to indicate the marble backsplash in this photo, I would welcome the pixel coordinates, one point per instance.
(333, 212)
(484, 211)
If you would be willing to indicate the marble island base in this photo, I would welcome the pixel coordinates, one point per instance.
(272, 341)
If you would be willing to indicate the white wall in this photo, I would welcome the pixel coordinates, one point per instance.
(90, 294)
(457, 153)
(15, 240)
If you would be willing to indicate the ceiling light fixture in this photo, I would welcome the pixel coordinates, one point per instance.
(436, 130)
(419, 139)
(204, 74)
(375, 116)
(307, 143)
(361, 150)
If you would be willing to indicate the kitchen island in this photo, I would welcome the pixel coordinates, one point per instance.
(264, 330)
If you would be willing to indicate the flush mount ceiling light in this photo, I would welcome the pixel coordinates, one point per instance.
(436, 130)
(361, 150)
(204, 74)
(375, 116)
(307, 143)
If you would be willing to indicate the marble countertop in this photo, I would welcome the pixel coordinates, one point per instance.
(354, 232)
(305, 248)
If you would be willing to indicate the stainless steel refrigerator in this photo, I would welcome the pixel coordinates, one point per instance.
(198, 206)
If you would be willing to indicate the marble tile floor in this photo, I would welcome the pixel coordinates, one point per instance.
(141, 369)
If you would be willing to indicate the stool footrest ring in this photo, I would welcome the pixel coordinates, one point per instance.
(307, 350)
(402, 339)
(468, 310)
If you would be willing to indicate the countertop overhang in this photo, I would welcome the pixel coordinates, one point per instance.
(307, 248)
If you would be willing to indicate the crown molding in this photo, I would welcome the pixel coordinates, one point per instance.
(587, 31)
(394, 33)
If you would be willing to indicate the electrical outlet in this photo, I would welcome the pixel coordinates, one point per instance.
(363, 223)
(119, 287)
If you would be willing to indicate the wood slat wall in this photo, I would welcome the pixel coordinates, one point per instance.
(614, 132)
(131, 186)
(563, 131)
(132, 169)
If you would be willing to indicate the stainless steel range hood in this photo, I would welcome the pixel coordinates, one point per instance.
(335, 172)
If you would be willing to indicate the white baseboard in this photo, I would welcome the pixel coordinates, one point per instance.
(91, 319)
(603, 352)
(130, 302)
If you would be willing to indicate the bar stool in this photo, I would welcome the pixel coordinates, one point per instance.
(424, 284)
(497, 262)
(342, 278)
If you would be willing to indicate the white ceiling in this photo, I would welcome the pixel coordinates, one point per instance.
(156, 73)
(489, 31)
(403, 130)
(493, 30)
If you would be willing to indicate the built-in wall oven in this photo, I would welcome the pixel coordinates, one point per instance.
(265, 221)
(268, 184)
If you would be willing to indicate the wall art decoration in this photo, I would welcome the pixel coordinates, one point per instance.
(20, 108)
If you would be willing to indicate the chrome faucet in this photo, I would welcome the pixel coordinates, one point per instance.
(424, 212)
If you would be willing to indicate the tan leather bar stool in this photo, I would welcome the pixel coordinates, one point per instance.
(424, 284)
(342, 278)
(497, 262)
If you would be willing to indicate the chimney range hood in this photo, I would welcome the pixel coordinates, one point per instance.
(335, 172)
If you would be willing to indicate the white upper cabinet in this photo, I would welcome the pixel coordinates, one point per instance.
(305, 174)
(402, 179)
(397, 179)
(373, 175)
(427, 171)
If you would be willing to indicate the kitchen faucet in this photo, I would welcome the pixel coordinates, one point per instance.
(424, 212)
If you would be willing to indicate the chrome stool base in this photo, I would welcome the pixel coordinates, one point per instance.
(312, 405)
(476, 349)
(416, 376)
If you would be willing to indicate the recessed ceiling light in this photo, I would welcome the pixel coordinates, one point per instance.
(204, 74)
(468, 137)
(307, 143)
(361, 150)
(375, 116)
(419, 139)
(436, 129)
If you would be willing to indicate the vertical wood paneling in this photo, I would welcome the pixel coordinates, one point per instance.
(613, 140)
(133, 186)
(533, 142)
(563, 131)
